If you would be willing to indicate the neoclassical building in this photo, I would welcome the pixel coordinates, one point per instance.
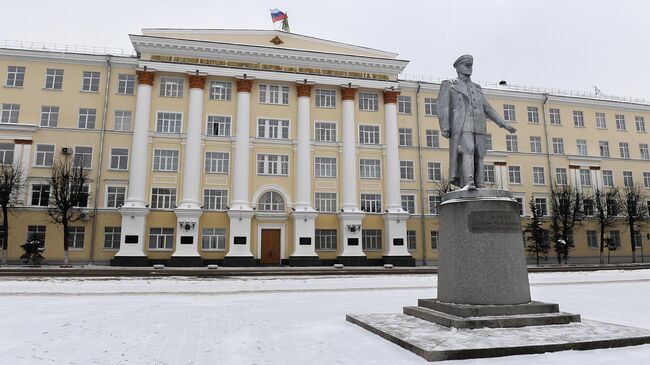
(247, 147)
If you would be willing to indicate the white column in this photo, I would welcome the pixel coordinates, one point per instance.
(395, 218)
(135, 209)
(501, 175)
(304, 215)
(574, 177)
(22, 154)
(189, 209)
(240, 211)
(597, 175)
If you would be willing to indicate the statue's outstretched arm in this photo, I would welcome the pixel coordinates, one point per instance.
(495, 117)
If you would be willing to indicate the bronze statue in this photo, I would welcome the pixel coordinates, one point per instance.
(462, 109)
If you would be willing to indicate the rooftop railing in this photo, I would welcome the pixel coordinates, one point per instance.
(70, 48)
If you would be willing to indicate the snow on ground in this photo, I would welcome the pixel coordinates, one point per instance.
(270, 320)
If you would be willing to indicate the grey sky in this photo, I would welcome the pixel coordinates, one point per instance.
(553, 43)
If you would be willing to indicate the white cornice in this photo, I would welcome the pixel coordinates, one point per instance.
(15, 127)
(598, 103)
(63, 57)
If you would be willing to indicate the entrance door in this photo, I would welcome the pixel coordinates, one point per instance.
(270, 254)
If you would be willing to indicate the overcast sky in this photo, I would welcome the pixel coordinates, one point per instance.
(567, 44)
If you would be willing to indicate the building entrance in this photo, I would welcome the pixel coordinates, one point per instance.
(270, 254)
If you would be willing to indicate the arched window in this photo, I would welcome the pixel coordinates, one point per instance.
(271, 201)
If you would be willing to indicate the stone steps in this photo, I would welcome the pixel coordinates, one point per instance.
(475, 310)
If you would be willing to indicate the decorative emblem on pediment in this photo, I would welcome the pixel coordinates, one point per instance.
(276, 40)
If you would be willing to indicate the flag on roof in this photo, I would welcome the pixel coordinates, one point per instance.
(277, 15)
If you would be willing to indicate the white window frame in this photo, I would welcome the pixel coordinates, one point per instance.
(325, 239)
(49, 116)
(76, 237)
(581, 147)
(533, 114)
(369, 168)
(111, 231)
(509, 113)
(126, 84)
(54, 79)
(216, 162)
(114, 202)
(404, 104)
(620, 122)
(40, 192)
(578, 119)
(603, 147)
(220, 90)
(45, 154)
(561, 176)
(273, 128)
(223, 124)
(410, 201)
(371, 202)
(490, 176)
(432, 166)
(10, 113)
(368, 101)
(407, 170)
(329, 202)
(644, 151)
(646, 179)
(166, 163)
(538, 202)
(163, 200)
(585, 177)
(322, 129)
(601, 120)
(639, 124)
(274, 94)
(119, 159)
(535, 144)
(555, 117)
(325, 98)
(405, 137)
(7, 153)
(90, 81)
(164, 239)
(371, 239)
(432, 138)
(624, 149)
(539, 176)
(15, 76)
(87, 118)
(433, 203)
(325, 166)
(215, 199)
(267, 159)
(430, 107)
(628, 179)
(512, 145)
(369, 134)
(608, 176)
(165, 124)
(213, 239)
(87, 163)
(514, 174)
(122, 120)
(558, 145)
(171, 87)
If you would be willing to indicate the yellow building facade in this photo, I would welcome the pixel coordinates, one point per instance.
(262, 147)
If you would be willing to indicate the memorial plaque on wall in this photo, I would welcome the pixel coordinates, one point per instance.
(492, 222)
(187, 240)
(129, 238)
(240, 240)
(353, 242)
(398, 242)
(305, 240)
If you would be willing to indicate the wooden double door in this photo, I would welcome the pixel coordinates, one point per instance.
(270, 254)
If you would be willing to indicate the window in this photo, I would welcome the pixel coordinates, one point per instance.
(434, 240)
(115, 196)
(274, 94)
(213, 239)
(169, 122)
(561, 177)
(434, 203)
(558, 145)
(325, 132)
(612, 207)
(488, 141)
(578, 118)
(369, 102)
(520, 203)
(369, 134)
(624, 149)
(411, 240)
(220, 90)
(371, 239)
(555, 116)
(325, 98)
(581, 145)
(273, 128)
(638, 240)
(588, 207)
(408, 203)
(643, 151)
(511, 143)
(271, 201)
(533, 115)
(646, 180)
(604, 148)
(430, 107)
(370, 169)
(161, 238)
(325, 239)
(49, 116)
(10, 113)
(592, 239)
(325, 166)
(6, 153)
(615, 237)
(76, 237)
(404, 104)
(171, 87)
(217, 162)
(36, 232)
(325, 202)
(83, 156)
(15, 76)
(112, 238)
(406, 170)
(541, 205)
(40, 195)
(514, 174)
(640, 124)
(83, 198)
(371, 203)
(272, 164)
(433, 138)
(608, 178)
(125, 84)
(620, 122)
(405, 137)
(54, 79)
(538, 176)
(215, 199)
(585, 177)
(628, 179)
(536, 144)
(434, 171)
(44, 155)
(218, 125)
(165, 160)
(509, 112)
(90, 81)
(122, 120)
(489, 174)
(601, 122)
(119, 158)
(87, 117)
(163, 198)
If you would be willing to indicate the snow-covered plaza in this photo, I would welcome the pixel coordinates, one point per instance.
(271, 320)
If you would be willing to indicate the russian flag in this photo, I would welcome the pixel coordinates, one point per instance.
(277, 15)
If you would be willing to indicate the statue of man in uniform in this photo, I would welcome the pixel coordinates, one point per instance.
(462, 110)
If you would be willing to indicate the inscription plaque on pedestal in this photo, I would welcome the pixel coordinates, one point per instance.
(490, 222)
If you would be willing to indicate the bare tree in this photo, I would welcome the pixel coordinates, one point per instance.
(443, 187)
(11, 187)
(537, 244)
(69, 191)
(606, 211)
(567, 211)
(634, 210)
